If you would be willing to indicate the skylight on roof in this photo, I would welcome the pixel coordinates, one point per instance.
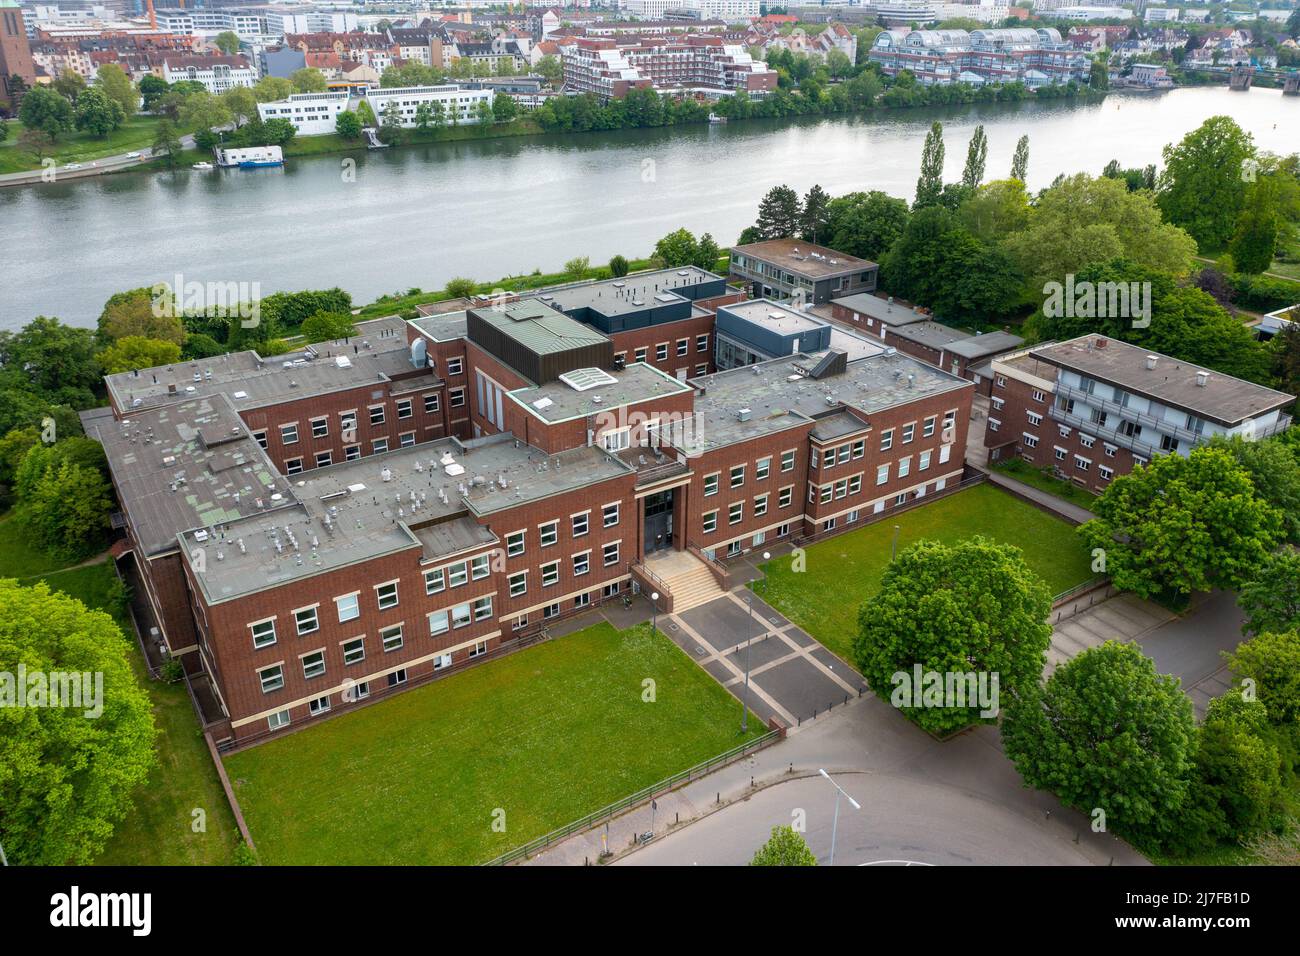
(581, 379)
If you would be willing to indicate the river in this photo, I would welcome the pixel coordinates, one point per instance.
(419, 215)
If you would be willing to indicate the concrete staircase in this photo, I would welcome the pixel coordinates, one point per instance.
(685, 577)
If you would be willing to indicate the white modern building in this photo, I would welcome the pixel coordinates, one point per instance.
(216, 73)
(245, 24)
(312, 114)
(459, 104)
(310, 20)
(728, 11)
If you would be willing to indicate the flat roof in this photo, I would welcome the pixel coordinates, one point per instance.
(355, 511)
(631, 293)
(774, 316)
(891, 313)
(638, 382)
(985, 344)
(185, 466)
(779, 395)
(805, 258)
(539, 327)
(443, 326)
(1223, 398)
(376, 354)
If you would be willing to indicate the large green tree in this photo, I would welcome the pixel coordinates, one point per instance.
(976, 155)
(117, 86)
(63, 506)
(97, 114)
(67, 779)
(866, 224)
(1183, 524)
(1274, 471)
(996, 210)
(779, 213)
(46, 110)
(973, 607)
(136, 352)
(815, 216)
(784, 847)
(1271, 662)
(1270, 597)
(1020, 160)
(1202, 186)
(1109, 734)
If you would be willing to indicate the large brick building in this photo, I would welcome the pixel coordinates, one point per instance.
(330, 526)
(1094, 407)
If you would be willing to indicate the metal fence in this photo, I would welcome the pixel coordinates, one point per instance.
(609, 812)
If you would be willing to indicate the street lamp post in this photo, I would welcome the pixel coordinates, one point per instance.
(893, 551)
(654, 610)
(744, 711)
(835, 822)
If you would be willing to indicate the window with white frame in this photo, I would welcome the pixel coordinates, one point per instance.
(277, 720)
(480, 566)
(376, 414)
(785, 496)
(710, 522)
(404, 408)
(518, 584)
(320, 427)
(549, 533)
(324, 459)
(762, 468)
(514, 544)
(581, 524)
(289, 434)
(581, 563)
(461, 616)
(882, 474)
(904, 466)
(1031, 441)
(550, 573)
(306, 621)
(617, 440)
(887, 439)
(457, 397)
(702, 343)
(354, 651)
(924, 460)
(318, 705)
(458, 574)
(735, 512)
(386, 594)
(431, 403)
(1034, 418)
(609, 515)
(455, 365)
(391, 638)
(437, 623)
(313, 664)
(711, 484)
(787, 460)
(271, 678)
(760, 505)
(483, 607)
(611, 553)
(263, 633)
(434, 581)
(293, 466)
(349, 607)
(737, 475)
(909, 431)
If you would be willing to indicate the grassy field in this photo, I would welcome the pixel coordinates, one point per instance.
(546, 735)
(844, 571)
(136, 133)
(159, 830)
(1044, 480)
(17, 558)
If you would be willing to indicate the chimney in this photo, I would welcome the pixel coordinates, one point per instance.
(1151, 361)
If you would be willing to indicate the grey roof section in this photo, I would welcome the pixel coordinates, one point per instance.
(778, 318)
(185, 466)
(891, 313)
(805, 258)
(447, 538)
(853, 344)
(837, 425)
(376, 354)
(627, 294)
(443, 327)
(929, 333)
(540, 328)
(1172, 382)
(986, 344)
(355, 511)
(638, 382)
(779, 396)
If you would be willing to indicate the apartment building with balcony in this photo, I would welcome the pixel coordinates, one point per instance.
(325, 528)
(1094, 407)
(791, 268)
(217, 74)
(694, 63)
(1035, 57)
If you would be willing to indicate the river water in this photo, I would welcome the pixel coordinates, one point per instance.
(419, 215)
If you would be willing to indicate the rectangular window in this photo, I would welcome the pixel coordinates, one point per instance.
(1106, 473)
(306, 621)
(710, 522)
(882, 474)
(518, 584)
(348, 424)
(858, 448)
(349, 607)
(431, 403)
(386, 594)
(377, 414)
(457, 574)
(909, 431)
(397, 678)
(354, 651)
(437, 623)
(1031, 441)
(762, 468)
(617, 440)
(320, 427)
(551, 610)
(461, 615)
(735, 512)
(842, 488)
(324, 459)
(581, 563)
(434, 581)
(927, 428)
(826, 493)
(263, 634)
(289, 434)
(609, 515)
(352, 452)
(702, 343)
(479, 649)
(1037, 395)
(828, 458)
(548, 533)
(855, 484)
(480, 566)
(924, 463)
(1081, 463)
(293, 466)
(483, 607)
(611, 553)
(904, 466)
(785, 496)
(404, 408)
(581, 524)
(455, 365)
(379, 446)
(272, 678)
(278, 720)
(887, 439)
(661, 352)
(640, 355)
(701, 369)
(760, 506)
(313, 664)
(514, 544)
(320, 705)
(406, 439)
(711, 484)
(737, 475)
(1034, 418)
(550, 573)
(683, 346)
(787, 460)
(457, 397)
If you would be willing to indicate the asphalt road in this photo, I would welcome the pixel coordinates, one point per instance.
(95, 167)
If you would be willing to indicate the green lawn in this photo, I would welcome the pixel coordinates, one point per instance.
(159, 830)
(136, 133)
(843, 571)
(1044, 480)
(17, 558)
(546, 735)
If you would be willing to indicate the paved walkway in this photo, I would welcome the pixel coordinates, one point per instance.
(90, 167)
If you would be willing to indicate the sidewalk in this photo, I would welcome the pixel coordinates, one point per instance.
(1058, 506)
